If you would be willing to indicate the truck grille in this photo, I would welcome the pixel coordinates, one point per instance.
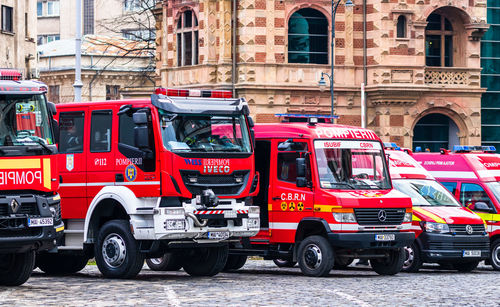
(461, 229)
(220, 184)
(28, 207)
(458, 245)
(17, 227)
(370, 216)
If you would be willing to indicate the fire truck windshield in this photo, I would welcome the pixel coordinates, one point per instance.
(425, 192)
(357, 165)
(204, 133)
(24, 120)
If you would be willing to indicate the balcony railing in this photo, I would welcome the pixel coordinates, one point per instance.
(452, 76)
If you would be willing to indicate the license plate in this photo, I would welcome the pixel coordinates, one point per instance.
(40, 222)
(229, 214)
(472, 254)
(218, 235)
(385, 237)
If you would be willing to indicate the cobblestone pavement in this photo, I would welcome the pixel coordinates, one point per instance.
(261, 283)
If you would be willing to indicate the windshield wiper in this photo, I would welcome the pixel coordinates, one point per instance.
(345, 184)
(42, 144)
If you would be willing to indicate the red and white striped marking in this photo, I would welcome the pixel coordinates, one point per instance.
(218, 211)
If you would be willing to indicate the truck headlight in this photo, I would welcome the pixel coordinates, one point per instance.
(408, 217)
(344, 217)
(253, 223)
(175, 224)
(254, 209)
(176, 211)
(435, 227)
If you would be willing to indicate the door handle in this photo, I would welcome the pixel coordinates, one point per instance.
(276, 198)
(119, 178)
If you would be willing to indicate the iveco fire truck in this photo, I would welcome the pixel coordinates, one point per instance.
(140, 178)
(29, 205)
(326, 198)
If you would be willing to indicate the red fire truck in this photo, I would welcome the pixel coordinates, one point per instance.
(472, 174)
(144, 177)
(29, 205)
(446, 232)
(326, 198)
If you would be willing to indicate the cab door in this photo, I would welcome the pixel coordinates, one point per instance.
(290, 203)
(73, 162)
(472, 193)
(100, 157)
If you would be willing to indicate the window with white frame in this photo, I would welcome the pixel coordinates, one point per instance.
(48, 8)
(187, 39)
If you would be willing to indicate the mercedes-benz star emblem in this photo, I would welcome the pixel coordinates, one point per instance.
(14, 206)
(469, 229)
(382, 215)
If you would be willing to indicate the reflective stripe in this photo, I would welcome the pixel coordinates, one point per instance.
(138, 183)
(489, 173)
(283, 226)
(19, 163)
(415, 227)
(429, 215)
(415, 218)
(98, 184)
(60, 229)
(451, 174)
(325, 208)
(73, 185)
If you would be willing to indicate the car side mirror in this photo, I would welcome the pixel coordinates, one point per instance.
(55, 127)
(481, 206)
(140, 118)
(250, 122)
(301, 180)
(141, 130)
(52, 108)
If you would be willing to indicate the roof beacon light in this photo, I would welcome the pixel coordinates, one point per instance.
(467, 148)
(312, 121)
(10, 74)
(193, 93)
(391, 145)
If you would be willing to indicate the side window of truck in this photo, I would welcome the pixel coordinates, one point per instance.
(471, 193)
(71, 127)
(450, 186)
(100, 131)
(287, 167)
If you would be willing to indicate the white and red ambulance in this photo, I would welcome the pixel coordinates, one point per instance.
(472, 174)
(326, 198)
(143, 177)
(445, 232)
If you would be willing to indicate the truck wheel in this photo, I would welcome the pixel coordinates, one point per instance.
(495, 255)
(56, 264)
(342, 262)
(116, 252)
(168, 262)
(391, 265)
(413, 261)
(316, 256)
(284, 263)
(205, 261)
(235, 262)
(465, 267)
(15, 269)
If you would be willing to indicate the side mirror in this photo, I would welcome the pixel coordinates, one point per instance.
(141, 130)
(251, 122)
(301, 172)
(481, 206)
(55, 127)
(140, 118)
(52, 108)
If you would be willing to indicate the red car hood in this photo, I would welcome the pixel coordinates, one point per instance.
(450, 215)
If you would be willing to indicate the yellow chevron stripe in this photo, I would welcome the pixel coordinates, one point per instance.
(415, 218)
(429, 215)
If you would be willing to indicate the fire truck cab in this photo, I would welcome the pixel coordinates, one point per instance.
(30, 218)
(144, 177)
(326, 198)
(472, 175)
(446, 232)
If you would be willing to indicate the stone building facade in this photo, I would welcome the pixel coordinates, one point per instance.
(419, 59)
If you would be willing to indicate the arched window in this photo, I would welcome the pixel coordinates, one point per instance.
(438, 41)
(401, 27)
(308, 37)
(187, 39)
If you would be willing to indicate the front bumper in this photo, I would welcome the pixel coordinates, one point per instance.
(437, 247)
(367, 240)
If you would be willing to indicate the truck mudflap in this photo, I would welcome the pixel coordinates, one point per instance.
(436, 247)
(371, 240)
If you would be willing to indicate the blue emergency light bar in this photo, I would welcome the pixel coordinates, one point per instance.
(467, 148)
(305, 115)
(391, 145)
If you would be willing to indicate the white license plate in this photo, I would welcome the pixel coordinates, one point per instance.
(218, 235)
(385, 237)
(230, 214)
(40, 222)
(472, 254)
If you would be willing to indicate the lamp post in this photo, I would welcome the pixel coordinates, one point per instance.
(322, 82)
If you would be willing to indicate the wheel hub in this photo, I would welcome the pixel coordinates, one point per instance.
(313, 256)
(410, 256)
(156, 261)
(113, 250)
(495, 255)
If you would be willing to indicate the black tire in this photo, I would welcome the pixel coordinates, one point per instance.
(57, 264)
(341, 263)
(413, 259)
(15, 269)
(116, 251)
(316, 256)
(284, 263)
(168, 262)
(205, 261)
(495, 255)
(235, 262)
(390, 265)
(465, 267)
